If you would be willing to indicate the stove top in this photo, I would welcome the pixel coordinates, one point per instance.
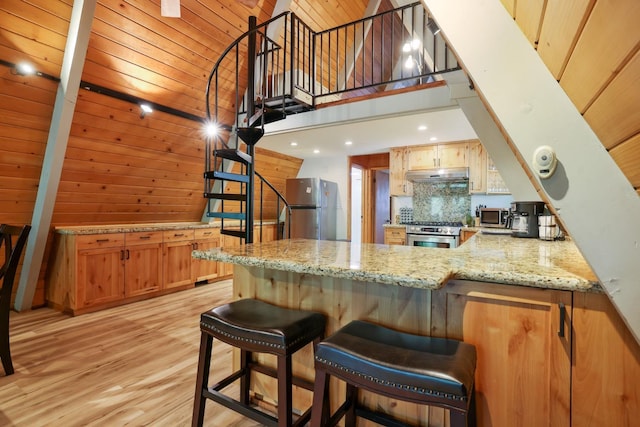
(449, 228)
(436, 223)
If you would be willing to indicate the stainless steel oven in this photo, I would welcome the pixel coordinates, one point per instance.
(434, 234)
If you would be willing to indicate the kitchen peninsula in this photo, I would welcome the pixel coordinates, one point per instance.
(533, 309)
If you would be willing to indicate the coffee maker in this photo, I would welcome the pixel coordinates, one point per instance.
(524, 221)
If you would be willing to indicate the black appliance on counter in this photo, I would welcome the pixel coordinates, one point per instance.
(524, 218)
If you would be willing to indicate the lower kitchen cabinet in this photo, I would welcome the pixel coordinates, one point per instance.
(523, 339)
(177, 259)
(466, 234)
(90, 272)
(606, 365)
(96, 271)
(207, 238)
(226, 268)
(395, 236)
(98, 265)
(143, 263)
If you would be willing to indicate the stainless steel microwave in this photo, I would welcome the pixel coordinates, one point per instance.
(494, 217)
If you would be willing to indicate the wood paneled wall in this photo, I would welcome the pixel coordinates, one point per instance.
(592, 47)
(119, 167)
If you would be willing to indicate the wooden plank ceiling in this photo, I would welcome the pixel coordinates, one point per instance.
(121, 167)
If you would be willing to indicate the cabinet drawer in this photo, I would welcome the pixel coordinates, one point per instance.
(141, 237)
(206, 233)
(99, 241)
(177, 235)
(392, 232)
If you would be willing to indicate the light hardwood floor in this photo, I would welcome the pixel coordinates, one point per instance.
(133, 365)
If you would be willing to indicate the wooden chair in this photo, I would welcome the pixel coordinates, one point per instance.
(12, 251)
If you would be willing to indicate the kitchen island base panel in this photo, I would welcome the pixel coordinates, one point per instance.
(523, 373)
(341, 300)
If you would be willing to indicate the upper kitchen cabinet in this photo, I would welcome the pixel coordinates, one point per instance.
(454, 155)
(477, 168)
(495, 183)
(398, 165)
(484, 177)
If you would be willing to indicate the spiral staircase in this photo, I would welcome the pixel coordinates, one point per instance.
(282, 67)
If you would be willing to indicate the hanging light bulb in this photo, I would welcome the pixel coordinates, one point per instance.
(409, 62)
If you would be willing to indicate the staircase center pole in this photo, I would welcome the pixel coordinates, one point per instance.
(251, 95)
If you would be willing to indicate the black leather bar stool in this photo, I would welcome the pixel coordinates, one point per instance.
(256, 326)
(424, 370)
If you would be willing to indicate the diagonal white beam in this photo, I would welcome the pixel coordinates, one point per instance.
(594, 199)
(64, 107)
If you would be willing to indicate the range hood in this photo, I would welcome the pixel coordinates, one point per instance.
(438, 175)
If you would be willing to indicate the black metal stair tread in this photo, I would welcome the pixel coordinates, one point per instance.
(241, 216)
(235, 155)
(250, 135)
(226, 196)
(226, 176)
(288, 105)
(270, 115)
(235, 233)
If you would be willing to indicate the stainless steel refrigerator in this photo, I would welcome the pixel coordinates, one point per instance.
(313, 208)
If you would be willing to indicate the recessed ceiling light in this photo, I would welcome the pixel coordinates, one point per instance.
(294, 144)
(348, 143)
(422, 127)
(433, 138)
(316, 151)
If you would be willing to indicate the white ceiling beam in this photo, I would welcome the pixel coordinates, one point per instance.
(64, 107)
(594, 199)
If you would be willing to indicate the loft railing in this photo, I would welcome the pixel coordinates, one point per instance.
(396, 48)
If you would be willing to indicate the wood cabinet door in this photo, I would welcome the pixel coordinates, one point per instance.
(477, 168)
(204, 269)
(423, 157)
(606, 365)
(226, 268)
(143, 262)
(398, 185)
(453, 155)
(100, 276)
(177, 259)
(177, 264)
(523, 374)
(143, 269)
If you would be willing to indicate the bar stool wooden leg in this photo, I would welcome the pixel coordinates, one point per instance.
(285, 399)
(321, 409)
(204, 363)
(352, 397)
(245, 380)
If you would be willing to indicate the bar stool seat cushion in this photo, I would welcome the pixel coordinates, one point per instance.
(258, 326)
(389, 360)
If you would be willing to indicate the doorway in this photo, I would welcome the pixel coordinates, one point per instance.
(356, 204)
(369, 203)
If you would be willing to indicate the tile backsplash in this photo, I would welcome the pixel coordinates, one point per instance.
(441, 201)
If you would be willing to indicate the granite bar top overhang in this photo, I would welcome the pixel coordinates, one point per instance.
(485, 258)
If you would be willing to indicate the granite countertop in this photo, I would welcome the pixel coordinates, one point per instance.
(487, 258)
(131, 228)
